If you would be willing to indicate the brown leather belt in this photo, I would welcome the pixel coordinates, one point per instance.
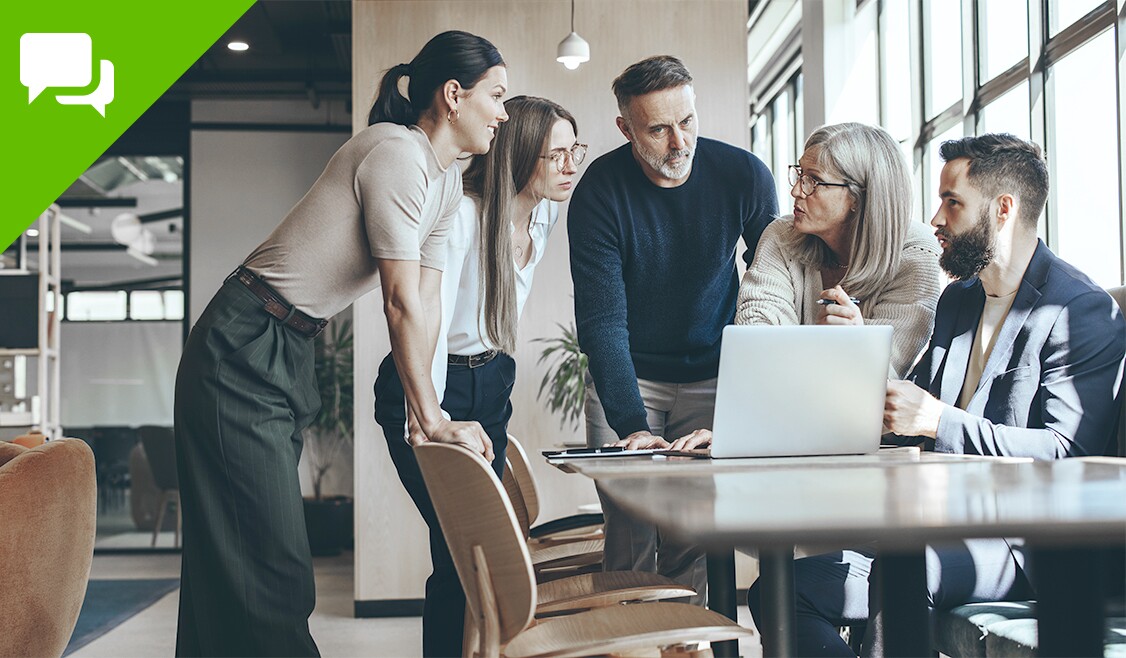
(472, 360)
(275, 304)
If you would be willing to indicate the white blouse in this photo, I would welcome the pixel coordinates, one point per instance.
(462, 331)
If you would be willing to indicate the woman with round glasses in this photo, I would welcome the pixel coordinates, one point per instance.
(850, 254)
(495, 242)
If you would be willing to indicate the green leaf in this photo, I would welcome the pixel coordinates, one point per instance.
(564, 382)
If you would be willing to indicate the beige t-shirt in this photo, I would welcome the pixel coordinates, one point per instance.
(382, 195)
(992, 317)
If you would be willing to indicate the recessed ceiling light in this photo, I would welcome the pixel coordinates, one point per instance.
(238, 46)
(32, 232)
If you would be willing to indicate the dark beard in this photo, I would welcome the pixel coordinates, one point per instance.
(968, 253)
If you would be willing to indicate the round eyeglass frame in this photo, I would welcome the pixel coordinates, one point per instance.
(809, 184)
(559, 157)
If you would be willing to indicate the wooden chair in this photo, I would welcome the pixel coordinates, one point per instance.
(554, 559)
(160, 449)
(495, 569)
(569, 569)
(578, 527)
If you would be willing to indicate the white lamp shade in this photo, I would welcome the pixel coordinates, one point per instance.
(573, 50)
(125, 228)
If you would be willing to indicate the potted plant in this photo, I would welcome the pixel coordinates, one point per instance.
(565, 381)
(328, 520)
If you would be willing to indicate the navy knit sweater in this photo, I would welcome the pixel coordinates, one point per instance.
(654, 268)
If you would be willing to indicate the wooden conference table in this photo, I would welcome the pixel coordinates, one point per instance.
(900, 498)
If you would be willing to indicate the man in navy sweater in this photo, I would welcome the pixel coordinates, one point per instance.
(653, 228)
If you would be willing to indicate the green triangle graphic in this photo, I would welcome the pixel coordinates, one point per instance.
(53, 138)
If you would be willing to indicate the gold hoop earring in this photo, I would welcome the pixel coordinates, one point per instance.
(452, 116)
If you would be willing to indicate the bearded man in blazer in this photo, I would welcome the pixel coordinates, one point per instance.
(1027, 352)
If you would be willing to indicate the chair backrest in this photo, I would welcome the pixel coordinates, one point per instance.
(516, 497)
(160, 449)
(1119, 295)
(522, 470)
(48, 508)
(474, 511)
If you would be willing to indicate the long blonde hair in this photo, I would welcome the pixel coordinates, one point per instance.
(879, 182)
(494, 179)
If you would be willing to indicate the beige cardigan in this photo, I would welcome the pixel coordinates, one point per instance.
(777, 290)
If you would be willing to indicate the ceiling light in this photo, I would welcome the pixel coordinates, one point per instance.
(32, 232)
(573, 50)
(238, 46)
(125, 228)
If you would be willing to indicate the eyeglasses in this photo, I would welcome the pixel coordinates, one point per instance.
(559, 156)
(808, 183)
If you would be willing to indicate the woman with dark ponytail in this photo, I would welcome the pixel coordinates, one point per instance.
(495, 242)
(378, 215)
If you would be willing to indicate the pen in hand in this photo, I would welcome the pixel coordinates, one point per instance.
(826, 302)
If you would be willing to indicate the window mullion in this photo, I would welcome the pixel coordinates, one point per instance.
(1042, 106)
(1120, 75)
(919, 58)
(969, 66)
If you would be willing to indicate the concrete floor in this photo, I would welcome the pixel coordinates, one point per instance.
(152, 632)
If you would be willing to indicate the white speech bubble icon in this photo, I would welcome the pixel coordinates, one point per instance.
(100, 97)
(55, 59)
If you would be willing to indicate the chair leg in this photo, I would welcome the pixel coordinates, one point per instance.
(160, 516)
(471, 639)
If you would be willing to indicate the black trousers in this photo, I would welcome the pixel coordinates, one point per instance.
(481, 394)
(244, 391)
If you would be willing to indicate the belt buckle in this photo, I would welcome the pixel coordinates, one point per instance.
(478, 360)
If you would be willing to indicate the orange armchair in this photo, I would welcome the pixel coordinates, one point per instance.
(48, 507)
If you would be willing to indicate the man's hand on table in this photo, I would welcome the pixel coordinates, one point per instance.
(642, 440)
(697, 439)
(911, 411)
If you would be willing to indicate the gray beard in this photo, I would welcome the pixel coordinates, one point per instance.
(661, 164)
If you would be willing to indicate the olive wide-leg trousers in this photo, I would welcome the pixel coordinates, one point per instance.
(244, 391)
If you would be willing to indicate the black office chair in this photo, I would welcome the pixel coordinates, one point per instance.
(160, 450)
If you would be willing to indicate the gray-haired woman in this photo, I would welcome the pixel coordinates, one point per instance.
(849, 254)
(850, 241)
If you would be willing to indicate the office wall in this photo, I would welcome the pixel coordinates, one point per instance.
(710, 36)
(243, 182)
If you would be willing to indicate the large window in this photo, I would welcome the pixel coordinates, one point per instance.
(116, 305)
(1084, 160)
(776, 135)
(1043, 70)
(942, 27)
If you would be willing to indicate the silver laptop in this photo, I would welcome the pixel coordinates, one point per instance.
(805, 390)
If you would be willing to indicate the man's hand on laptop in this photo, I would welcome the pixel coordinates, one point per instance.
(642, 440)
(911, 411)
(697, 439)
